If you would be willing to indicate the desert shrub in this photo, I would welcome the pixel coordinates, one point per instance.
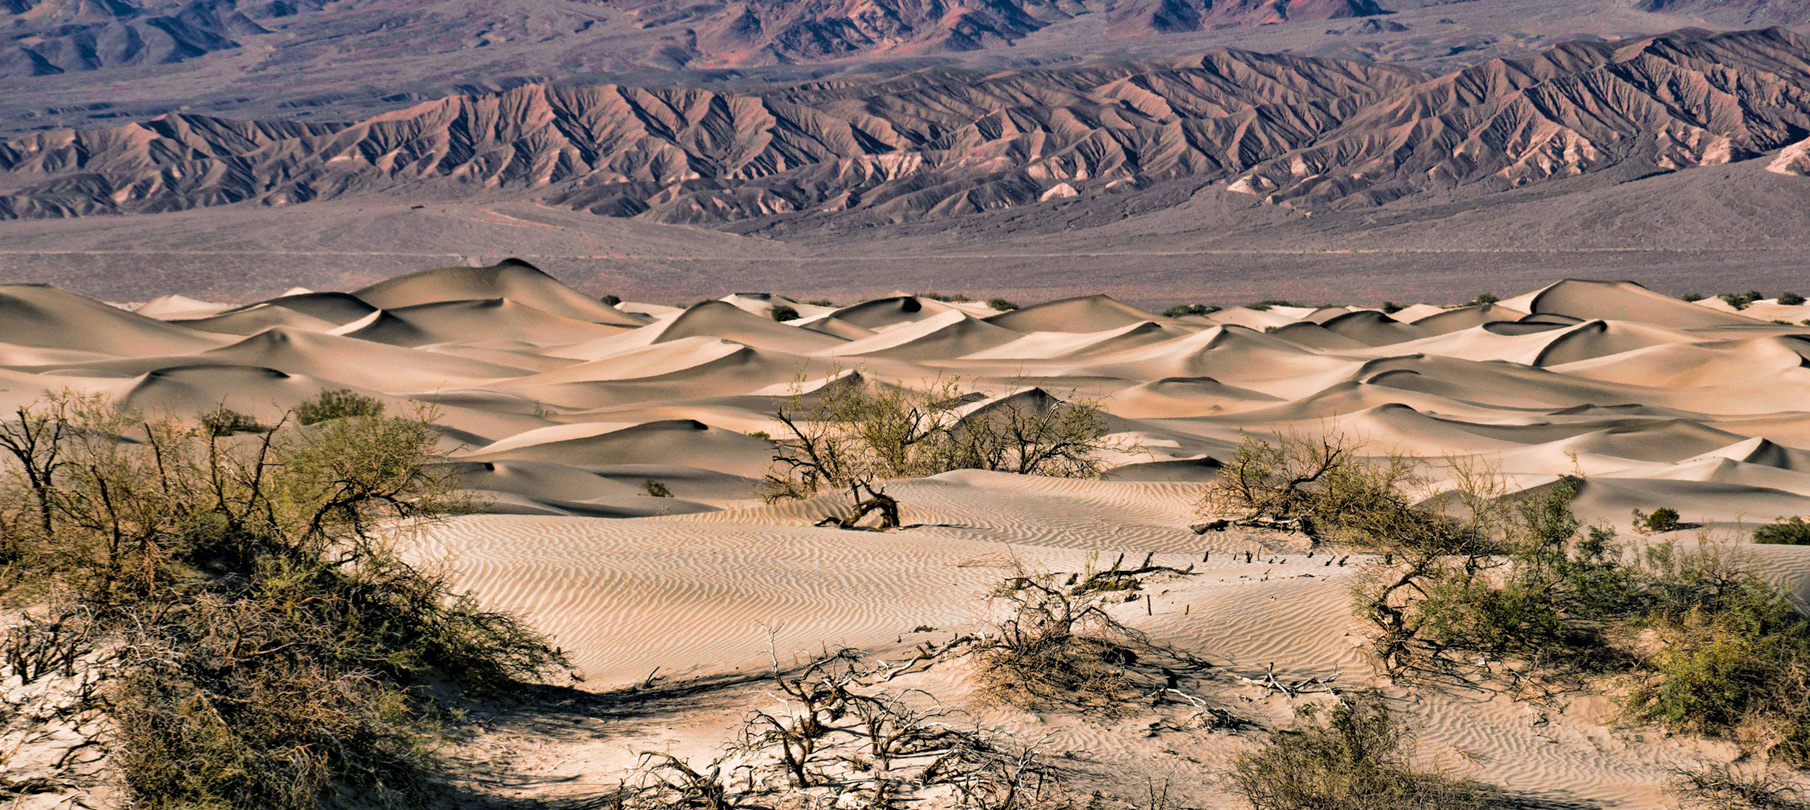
(337, 403)
(1791, 531)
(1481, 584)
(224, 421)
(1741, 300)
(1320, 487)
(1481, 299)
(1390, 307)
(851, 435)
(1184, 310)
(823, 302)
(271, 645)
(784, 312)
(1790, 299)
(1663, 519)
(1350, 758)
(1001, 304)
(656, 489)
(1059, 646)
(945, 297)
(1724, 787)
(1548, 604)
(611, 300)
(1034, 434)
(1730, 654)
(1691, 296)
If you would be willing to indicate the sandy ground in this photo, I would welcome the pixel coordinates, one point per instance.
(560, 407)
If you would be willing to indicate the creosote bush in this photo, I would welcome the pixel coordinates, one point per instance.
(1740, 301)
(851, 435)
(1320, 487)
(1663, 519)
(337, 403)
(655, 488)
(1349, 756)
(1791, 531)
(1001, 304)
(268, 645)
(1481, 585)
(784, 312)
(1791, 299)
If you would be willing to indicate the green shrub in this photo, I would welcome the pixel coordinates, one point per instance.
(271, 645)
(1001, 304)
(1549, 605)
(1390, 307)
(1790, 299)
(611, 300)
(1351, 758)
(1481, 299)
(1321, 488)
(784, 312)
(1691, 296)
(655, 488)
(1791, 531)
(337, 403)
(1741, 301)
(1732, 658)
(1663, 519)
(823, 302)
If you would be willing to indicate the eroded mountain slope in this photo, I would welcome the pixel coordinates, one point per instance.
(937, 143)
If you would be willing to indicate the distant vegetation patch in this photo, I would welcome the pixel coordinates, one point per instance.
(1184, 310)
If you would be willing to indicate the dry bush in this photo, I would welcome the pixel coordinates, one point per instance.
(838, 735)
(271, 645)
(1724, 787)
(1350, 759)
(1034, 434)
(1058, 644)
(851, 435)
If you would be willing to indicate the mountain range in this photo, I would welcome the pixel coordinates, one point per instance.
(1309, 133)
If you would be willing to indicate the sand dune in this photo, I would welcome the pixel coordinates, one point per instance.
(36, 315)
